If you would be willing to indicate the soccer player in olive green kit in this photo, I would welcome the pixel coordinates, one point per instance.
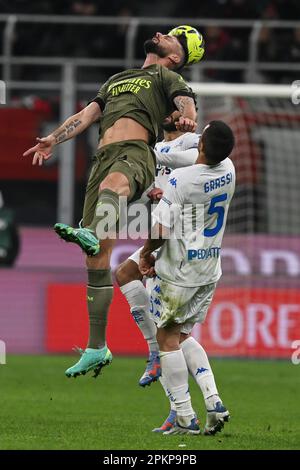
(130, 106)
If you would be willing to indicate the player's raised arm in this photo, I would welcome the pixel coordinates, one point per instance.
(178, 159)
(186, 106)
(73, 126)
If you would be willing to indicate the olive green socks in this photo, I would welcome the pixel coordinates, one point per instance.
(99, 297)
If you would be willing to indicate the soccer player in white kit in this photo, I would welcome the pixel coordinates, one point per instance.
(177, 150)
(189, 222)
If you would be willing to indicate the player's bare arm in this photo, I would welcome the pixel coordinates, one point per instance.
(73, 126)
(147, 260)
(186, 106)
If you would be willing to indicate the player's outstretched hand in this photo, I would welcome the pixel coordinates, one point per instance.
(185, 124)
(42, 150)
(146, 265)
(155, 194)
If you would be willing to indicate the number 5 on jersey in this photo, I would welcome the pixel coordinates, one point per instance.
(220, 211)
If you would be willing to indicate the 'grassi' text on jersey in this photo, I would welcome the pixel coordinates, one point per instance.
(218, 182)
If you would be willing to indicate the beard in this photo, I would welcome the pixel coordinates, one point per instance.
(169, 126)
(153, 48)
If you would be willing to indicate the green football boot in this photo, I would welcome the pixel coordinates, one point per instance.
(83, 237)
(91, 359)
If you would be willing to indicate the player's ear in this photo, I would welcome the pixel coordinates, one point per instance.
(200, 146)
(175, 59)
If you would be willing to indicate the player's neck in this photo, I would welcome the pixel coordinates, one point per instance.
(201, 159)
(168, 136)
(152, 59)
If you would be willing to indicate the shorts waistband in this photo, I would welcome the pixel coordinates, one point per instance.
(123, 142)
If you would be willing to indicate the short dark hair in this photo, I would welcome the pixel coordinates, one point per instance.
(183, 42)
(218, 142)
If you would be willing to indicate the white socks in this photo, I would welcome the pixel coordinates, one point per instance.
(175, 373)
(168, 393)
(139, 303)
(199, 367)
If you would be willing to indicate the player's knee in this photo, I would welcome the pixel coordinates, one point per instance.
(121, 275)
(116, 182)
(166, 342)
(98, 262)
(126, 272)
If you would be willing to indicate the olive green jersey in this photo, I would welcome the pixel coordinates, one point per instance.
(145, 95)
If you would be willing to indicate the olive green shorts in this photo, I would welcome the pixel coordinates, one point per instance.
(134, 158)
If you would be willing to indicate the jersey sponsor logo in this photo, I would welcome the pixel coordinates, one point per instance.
(203, 254)
(132, 85)
(163, 170)
(173, 182)
(201, 370)
(218, 182)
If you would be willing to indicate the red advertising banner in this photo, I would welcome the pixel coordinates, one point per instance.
(241, 322)
(67, 321)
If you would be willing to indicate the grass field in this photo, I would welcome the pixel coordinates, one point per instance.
(41, 409)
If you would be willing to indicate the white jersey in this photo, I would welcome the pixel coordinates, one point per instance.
(199, 196)
(177, 153)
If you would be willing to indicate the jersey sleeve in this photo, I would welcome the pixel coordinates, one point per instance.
(190, 140)
(178, 159)
(174, 85)
(168, 210)
(101, 96)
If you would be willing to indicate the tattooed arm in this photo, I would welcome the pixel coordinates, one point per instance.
(73, 126)
(186, 106)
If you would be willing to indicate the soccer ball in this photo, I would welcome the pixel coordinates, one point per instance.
(194, 42)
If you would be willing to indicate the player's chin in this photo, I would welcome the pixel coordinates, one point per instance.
(150, 46)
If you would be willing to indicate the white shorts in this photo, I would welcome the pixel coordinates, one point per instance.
(183, 305)
(151, 283)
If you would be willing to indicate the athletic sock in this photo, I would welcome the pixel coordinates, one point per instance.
(175, 374)
(99, 297)
(106, 214)
(168, 393)
(199, 367)
(139, 303)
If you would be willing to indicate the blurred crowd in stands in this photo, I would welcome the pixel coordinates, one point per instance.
(226, 44)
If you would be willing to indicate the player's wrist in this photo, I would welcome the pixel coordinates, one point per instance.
(145, 252)
(52, 139)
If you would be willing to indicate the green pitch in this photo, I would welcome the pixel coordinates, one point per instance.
(41, 409)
